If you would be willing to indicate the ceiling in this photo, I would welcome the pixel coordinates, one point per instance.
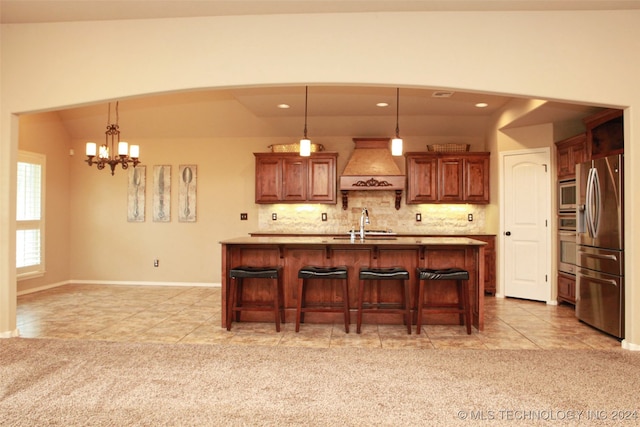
(31, 11)
(332, 110)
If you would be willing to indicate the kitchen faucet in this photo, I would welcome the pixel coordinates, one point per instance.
(364, 219)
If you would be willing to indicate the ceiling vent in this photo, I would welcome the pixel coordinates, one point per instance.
(442, 94)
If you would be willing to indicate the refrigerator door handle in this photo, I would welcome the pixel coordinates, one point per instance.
(603, 281)
(588, 212)
(597, 202)
(604, 257)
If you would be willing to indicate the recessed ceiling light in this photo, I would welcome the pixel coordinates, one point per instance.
(284, 106)
(382, 104)
(482, 105)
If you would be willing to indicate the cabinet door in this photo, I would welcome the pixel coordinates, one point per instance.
(565, 163)
(421, 179)
(268, 180)
(450, 170)
(294, 179)
(476, 179)
(566, 289)
(322, 180)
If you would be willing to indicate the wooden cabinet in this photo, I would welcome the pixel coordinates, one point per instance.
(422, 179)
(489, 262)
(570, 152)
(605, 133)
(290, 178)
(566, 288)
(447, 178)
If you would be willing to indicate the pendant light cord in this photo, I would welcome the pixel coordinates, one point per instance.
(397, 112)
(306, 93)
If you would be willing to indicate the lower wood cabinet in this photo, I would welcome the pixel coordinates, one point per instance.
(566, 288)
(489, 262)
(290, 178)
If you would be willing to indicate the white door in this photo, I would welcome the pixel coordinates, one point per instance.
(526, 232)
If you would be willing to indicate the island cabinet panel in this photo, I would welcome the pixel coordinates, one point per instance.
(290, 178)
(435, 177)
(293, 253)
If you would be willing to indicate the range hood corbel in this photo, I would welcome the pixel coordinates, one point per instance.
(371, 168)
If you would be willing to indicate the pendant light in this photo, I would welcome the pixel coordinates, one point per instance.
(396, 143)
(305, 143)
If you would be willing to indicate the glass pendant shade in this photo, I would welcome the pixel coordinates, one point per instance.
(396, 147)
(305, 147)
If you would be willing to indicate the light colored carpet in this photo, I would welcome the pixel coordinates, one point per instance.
(89, 383)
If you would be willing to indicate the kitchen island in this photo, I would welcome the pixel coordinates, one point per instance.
(292, 253)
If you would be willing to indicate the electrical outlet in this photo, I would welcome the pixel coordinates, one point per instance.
(274, 216)
(156, 262)
(324, 216)
(470, 217)
(418, 217)
(243, 217)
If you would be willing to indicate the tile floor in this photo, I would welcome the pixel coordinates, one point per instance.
(192, 315)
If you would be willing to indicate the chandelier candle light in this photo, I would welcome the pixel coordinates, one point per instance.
(106, 151)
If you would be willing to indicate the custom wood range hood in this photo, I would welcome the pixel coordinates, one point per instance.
(371, 167)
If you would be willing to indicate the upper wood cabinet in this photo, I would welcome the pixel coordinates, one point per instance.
(434, 177)
(570, 152)
(605, 133)
(290, 178)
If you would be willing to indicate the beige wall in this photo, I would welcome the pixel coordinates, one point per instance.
(44, 133)
(541, 54)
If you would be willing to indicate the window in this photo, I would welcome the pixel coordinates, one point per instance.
(30, 215)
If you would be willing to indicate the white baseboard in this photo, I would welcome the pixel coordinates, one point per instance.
(10, 334)
(630, 346)
(120, 283)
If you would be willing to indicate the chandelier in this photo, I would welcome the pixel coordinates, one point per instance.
(106, 154)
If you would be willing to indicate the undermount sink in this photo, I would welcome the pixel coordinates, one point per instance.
(376, 233)
(367, 237)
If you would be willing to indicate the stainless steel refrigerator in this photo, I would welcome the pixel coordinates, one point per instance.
(600, 244)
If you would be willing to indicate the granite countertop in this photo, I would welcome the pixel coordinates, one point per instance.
(345, 240)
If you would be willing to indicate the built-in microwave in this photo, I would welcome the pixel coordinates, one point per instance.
(567, 196)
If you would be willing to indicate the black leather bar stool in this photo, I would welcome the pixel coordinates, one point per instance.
(235, 301)
(310, 272)
(463, 306)
(367, 275)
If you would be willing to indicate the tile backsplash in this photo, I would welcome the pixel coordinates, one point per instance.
(436, 218)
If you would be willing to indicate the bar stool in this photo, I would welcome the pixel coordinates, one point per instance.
(463, 306)
(385, 274)
(236, 305)
(322, 273)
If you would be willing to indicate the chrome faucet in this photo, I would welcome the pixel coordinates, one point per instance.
(364, 219)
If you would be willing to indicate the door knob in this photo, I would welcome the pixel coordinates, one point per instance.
(508, 233)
